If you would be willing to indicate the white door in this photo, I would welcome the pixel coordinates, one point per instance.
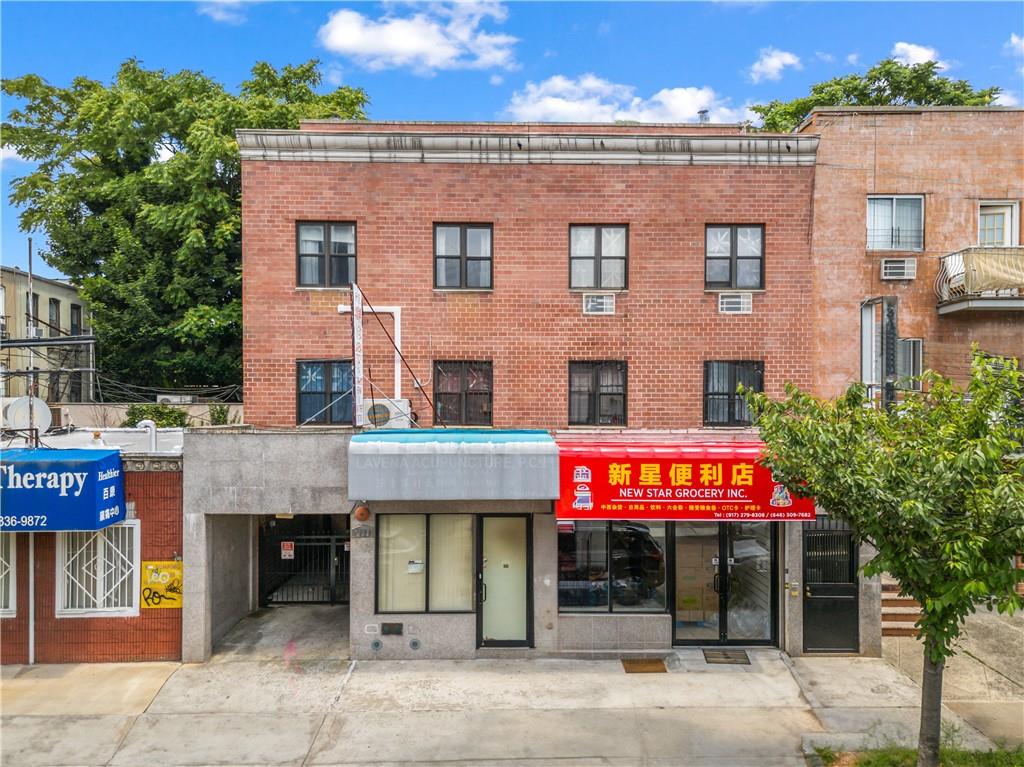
(503, 581)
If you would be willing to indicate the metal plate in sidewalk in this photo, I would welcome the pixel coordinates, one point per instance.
(643, 665)
(731, 657)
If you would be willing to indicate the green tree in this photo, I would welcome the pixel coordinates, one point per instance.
(935, 484)
(887, 83)
(138, 187)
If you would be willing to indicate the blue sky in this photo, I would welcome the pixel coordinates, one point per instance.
(536, 61)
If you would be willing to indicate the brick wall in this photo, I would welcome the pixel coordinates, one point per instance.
(531, 324)
(955, 159)
(150, 636)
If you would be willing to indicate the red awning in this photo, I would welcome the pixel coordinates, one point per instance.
(716, 481)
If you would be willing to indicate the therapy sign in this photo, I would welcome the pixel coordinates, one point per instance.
(716, 483)
(60, 489)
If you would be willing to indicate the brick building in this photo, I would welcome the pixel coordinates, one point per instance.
(603, 286)
(954, 178)
(82, 595)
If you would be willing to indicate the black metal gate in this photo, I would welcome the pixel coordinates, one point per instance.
(831, 619)
(302, 567)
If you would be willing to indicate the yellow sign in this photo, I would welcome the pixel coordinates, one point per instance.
(161, 584)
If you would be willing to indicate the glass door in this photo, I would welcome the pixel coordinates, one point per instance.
(725, 590)
(504, 574)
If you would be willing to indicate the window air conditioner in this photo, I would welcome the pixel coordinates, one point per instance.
(175, 399)
(899, 268)
(599, 303)
(735, 303)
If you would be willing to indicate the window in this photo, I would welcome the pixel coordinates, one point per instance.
(998, 224)
(325, 392)
(597, 393)
(722, 405)
(909, 363)
(32, 314)
(611, 566)
(99, 571)
(425, 563)
(76, 320)
(895, 223)
(462, 393)
(734, 257)
(326, 254)
(462, 256)
(54, 320)
(598, 257)
(8, 575)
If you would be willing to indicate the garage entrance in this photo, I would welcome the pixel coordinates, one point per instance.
(304, 559)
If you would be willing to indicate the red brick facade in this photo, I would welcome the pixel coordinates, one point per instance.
(531, 324)
(955, 158)
(151, 636)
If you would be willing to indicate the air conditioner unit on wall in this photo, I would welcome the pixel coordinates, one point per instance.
(175, 399)
(386, 414)
(599, 303)
(735, 303)
(899, 268)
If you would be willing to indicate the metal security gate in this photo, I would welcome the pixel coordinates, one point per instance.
(302, 567)
(831, 613)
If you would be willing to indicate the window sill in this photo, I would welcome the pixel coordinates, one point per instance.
(735, 427)
(327, 426)
(735, 290)
(889, 251)
(598, 290)
(463, 290)
(602, 426)
(131, 613)
(322, 288)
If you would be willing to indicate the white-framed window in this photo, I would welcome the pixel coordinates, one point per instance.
(8, 575)
(98, 572)
(895, 222)
(998, 224)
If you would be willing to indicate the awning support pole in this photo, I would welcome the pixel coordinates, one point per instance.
(31, 598)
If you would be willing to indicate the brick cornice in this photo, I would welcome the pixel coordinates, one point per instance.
(525, 148)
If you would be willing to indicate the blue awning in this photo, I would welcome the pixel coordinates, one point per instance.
(52, 490)
(452, 464)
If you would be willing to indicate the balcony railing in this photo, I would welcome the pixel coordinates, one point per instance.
(981, 278)
(895, 238)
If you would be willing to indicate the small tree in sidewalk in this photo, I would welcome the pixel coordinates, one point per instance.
(935, 484)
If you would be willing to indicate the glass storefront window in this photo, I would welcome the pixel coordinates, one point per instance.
(405, 565)
(617, 566)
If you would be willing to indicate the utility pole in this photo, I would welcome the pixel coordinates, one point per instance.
(33, 435)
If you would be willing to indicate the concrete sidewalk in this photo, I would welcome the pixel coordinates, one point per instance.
(539, 713)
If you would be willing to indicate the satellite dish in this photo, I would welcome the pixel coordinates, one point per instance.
(16, 414)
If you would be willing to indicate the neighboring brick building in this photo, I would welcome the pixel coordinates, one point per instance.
(955, 179)
(115, 624)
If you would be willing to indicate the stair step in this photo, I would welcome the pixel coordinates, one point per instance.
(900, 602)
(900, 617)
(899, 632)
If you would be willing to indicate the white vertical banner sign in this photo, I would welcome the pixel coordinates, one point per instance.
(357, 355)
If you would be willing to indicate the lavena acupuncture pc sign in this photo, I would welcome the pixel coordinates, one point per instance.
(60, 489)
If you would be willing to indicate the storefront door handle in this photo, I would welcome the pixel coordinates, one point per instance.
(717, 583)
(483, 591)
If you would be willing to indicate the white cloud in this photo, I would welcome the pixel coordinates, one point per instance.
(589, 98)
(828, 58)
(1015, 44)
(224, 11)
(853, 59)
(771, 64)
(1007, 99)
(334, 74)
(441, 36)
(9, 155)
(496, 79)
(911, 53)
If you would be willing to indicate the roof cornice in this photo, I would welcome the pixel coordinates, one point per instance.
(525, 148)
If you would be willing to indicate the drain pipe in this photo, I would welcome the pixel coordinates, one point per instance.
(149, 426)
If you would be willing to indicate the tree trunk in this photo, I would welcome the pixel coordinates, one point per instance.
(931, 711)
